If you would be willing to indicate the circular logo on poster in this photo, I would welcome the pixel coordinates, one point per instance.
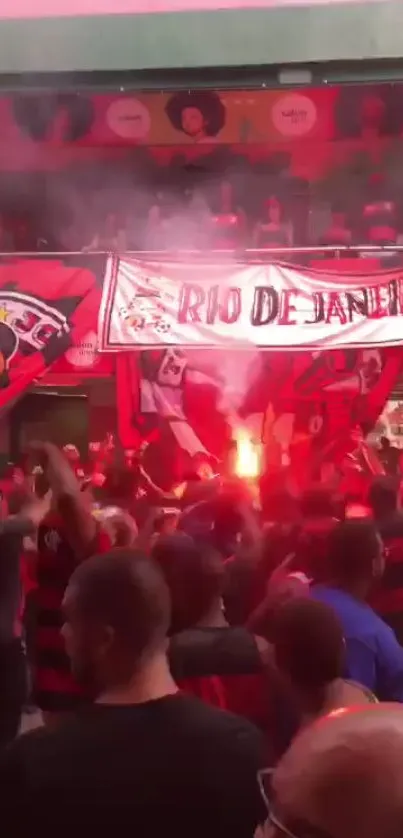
(84, 356)
(294, 115)
(129, 119)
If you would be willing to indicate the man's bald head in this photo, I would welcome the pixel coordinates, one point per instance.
(343, 777)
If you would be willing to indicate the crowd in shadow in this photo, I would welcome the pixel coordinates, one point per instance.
(202, 663)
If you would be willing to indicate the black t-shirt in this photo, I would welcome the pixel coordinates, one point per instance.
(200, 652)
(173, 766)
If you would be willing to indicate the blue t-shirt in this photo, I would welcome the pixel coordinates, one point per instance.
(374, 658)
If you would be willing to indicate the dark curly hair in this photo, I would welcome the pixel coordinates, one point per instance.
(207, 102)
(35, 114)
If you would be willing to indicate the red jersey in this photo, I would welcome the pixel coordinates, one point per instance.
(55, 688)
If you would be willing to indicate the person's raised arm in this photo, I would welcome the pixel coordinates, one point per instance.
(73, 505)
(27, 521)
(159, 494)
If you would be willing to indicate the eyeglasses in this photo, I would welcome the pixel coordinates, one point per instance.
(279, 827)
(272, 818)
(305, 830)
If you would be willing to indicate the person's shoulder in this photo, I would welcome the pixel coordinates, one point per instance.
(353, 613)
(215, 651)
(385, 635)
(42, 752)
(324, 593)
(216, 725)
(368, 628)
(197, 713)
(331, 595)
(17, 757)
(391, 528)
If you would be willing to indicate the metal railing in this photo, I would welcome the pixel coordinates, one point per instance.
(338, 252)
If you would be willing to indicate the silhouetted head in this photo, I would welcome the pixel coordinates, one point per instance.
(117, 613)
(194, 575)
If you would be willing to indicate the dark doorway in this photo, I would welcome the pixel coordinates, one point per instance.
(57, 418)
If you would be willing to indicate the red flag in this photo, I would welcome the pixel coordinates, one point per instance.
(44, 307)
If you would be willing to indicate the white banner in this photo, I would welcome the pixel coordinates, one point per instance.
(233, 306)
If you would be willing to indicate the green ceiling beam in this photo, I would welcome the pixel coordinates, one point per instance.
(333, 32)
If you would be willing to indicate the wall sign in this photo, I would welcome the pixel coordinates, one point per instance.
(294, 115)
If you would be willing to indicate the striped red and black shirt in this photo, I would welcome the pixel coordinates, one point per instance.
(55, 688)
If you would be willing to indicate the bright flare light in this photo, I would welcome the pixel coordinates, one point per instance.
(247, 463)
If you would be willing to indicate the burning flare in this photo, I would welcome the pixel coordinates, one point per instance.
(247, 463)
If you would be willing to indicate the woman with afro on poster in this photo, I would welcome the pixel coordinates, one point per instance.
(199, 115)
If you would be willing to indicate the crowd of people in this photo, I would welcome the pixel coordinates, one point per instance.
(219, 215)
(170, 219)
(203, 662)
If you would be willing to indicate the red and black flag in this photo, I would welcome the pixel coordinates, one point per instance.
(46, 306)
